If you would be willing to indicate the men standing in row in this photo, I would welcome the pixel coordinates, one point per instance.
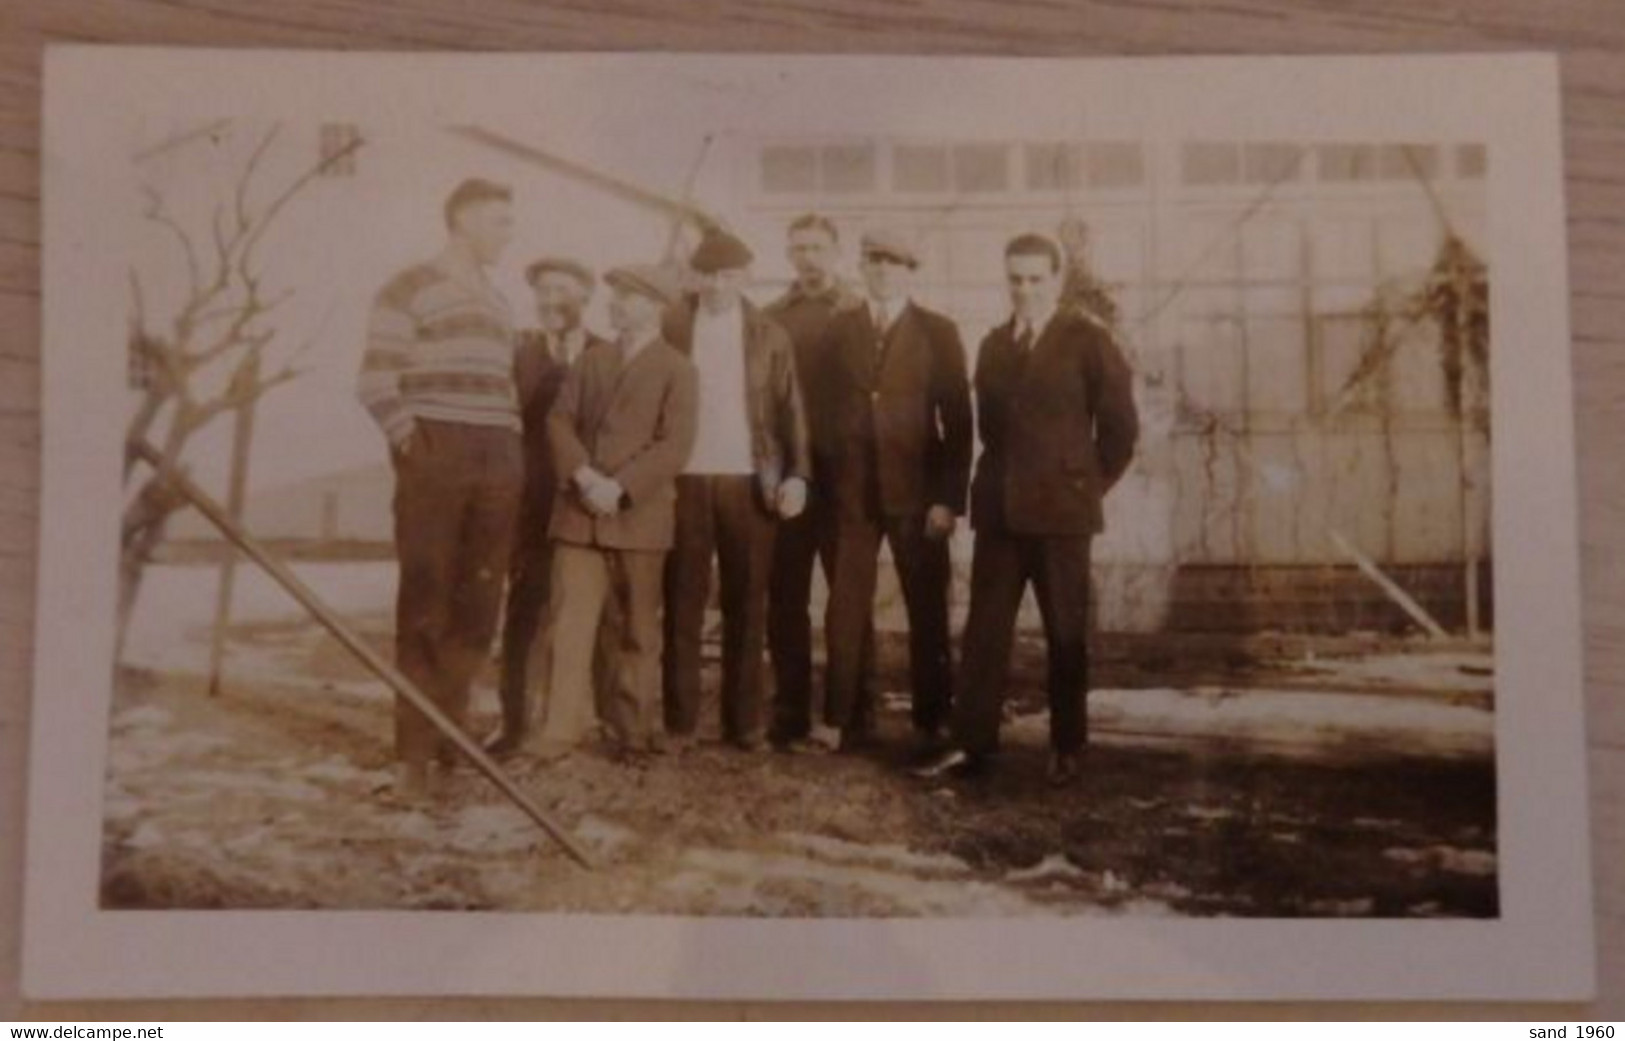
(545, 354)
(437, 377)
(750, 466)
(805, 312)
(900, 450)
(621, 432)
(1058, 423)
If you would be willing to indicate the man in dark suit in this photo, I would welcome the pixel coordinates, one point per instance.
(900, 448)
(750, 466)
(562, 289)
(1056, 411)
(805, 311)
(621, 431)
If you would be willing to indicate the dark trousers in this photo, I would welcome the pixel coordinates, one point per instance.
(718, 517)
(456, 497)
(1002, 566)
(529, 583)
(799, 544)
(923, 572)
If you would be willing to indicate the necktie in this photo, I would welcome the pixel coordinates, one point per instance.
(1024, 338)
(882, 318)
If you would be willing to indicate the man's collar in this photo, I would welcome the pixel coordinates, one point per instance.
(1041, 323)
(894, 307)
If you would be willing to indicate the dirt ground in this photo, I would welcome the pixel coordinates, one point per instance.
(1232, 786)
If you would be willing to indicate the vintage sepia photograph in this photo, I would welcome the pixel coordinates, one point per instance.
(797, 490)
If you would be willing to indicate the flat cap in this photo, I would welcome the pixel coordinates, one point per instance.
(656, 281)
(561, 265)
(719, 251)
(892, 242)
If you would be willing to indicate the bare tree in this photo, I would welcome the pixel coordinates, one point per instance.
(207, 358)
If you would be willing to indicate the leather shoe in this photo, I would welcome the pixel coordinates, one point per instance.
(1063, 769)
(503, 745)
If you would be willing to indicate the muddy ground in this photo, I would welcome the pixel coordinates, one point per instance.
(1220, 784)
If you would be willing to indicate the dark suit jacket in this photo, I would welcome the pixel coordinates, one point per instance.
(539, 376)
(633, 422)
(900, 413)
(1058, 428)
(779, 443)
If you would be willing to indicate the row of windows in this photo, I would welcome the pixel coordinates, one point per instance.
(860, 167)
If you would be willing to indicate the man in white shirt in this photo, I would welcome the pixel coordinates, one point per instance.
(750, 466)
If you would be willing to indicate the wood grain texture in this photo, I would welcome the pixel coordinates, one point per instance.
(1588, 33)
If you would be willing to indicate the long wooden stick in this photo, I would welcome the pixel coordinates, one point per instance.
(241, 441)
(329, 620)
(616, 186)
(1395, 593)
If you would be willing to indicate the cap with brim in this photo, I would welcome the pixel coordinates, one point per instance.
(720, 251)
(559, 265)
(656, 281)
(890, 242)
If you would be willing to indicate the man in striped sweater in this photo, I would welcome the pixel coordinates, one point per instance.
(437, 376)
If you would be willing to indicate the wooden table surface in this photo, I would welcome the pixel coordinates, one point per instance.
(1590, 35)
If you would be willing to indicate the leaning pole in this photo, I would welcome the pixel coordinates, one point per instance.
(374, 662)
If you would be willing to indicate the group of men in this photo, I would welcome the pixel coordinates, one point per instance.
(601, 482)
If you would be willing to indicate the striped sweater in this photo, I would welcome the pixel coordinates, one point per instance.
(437, 349)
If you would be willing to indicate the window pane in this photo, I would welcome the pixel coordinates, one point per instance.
(1347, 162)
(1271, 250)
(1210, 368)
(1343, 340)
(1204, 162)
(1116, 164)
(1209, 249)
(1344, 248)
(1418, 370)
(920, 168)
(981, 168)
(1406, 246)
(1470, 161)
(848, 168)
(1272, 163)
(1397, 162)
(1051, 167)
(1277, 364)
(787, 169)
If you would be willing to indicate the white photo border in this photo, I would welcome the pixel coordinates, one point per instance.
(1540, 946)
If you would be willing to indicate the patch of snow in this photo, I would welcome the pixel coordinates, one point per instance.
(146, 836)
(605, 836)
(880, 854)
(1286, 719)
(1055, 865)
(144, 717)
(492, 829)
(1475, 862)
(909, 894)
(1467, 671)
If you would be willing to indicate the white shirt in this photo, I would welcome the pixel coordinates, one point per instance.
(1038, 325)
(722, 438)
(894, 307)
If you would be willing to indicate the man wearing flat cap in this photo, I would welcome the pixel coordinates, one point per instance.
(750, 466)
(562, 288)
(900, 462)
(621, 432)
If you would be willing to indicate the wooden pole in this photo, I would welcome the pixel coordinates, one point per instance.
(375, 662)
(242, 438)
(1389, 586)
